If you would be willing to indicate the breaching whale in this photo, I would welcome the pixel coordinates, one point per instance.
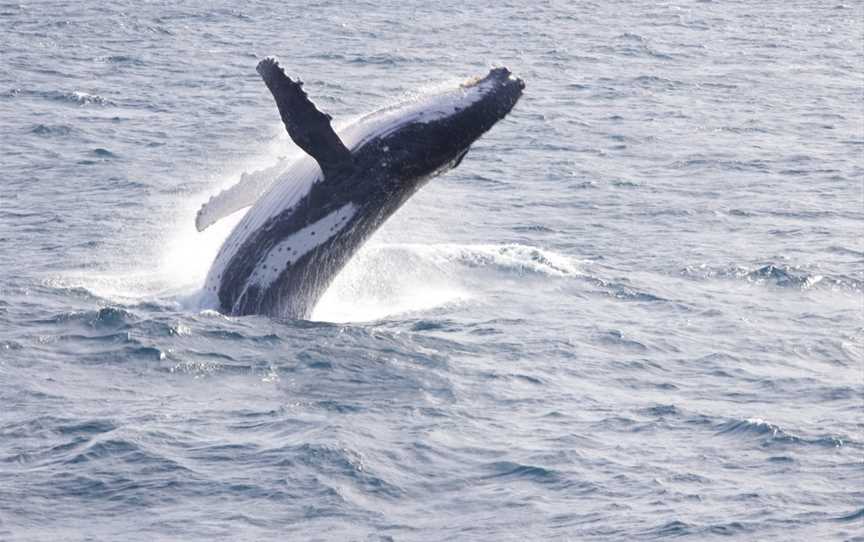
(283, 254)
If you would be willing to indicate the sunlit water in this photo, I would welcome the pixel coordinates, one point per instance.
(633, 312)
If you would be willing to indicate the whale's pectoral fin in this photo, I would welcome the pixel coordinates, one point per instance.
(241, 195)
(309, 128)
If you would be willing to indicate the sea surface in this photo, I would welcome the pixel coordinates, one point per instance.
(634, 312)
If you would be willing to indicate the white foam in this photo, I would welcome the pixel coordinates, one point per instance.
(384, 280)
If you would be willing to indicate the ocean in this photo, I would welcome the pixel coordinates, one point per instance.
(634, 312)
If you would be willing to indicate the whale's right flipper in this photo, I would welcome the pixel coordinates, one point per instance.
(241, 195)
(309, 128)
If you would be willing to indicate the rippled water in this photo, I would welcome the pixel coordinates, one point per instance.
(633, 312)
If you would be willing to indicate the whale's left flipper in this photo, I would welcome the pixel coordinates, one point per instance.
(309, 128)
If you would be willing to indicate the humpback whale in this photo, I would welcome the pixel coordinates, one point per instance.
(305, 225)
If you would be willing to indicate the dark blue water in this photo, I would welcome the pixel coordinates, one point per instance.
(635, 311)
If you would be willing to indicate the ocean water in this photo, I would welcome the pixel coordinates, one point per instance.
(634, 312)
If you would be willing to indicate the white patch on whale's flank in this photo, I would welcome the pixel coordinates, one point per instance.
(285, 192)
(297, 244)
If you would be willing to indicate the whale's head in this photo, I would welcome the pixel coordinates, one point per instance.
(431, 133)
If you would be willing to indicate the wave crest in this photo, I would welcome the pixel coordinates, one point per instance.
(780, 275)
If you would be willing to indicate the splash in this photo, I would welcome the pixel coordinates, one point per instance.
(385, 280)
(172, 263)
(377, 283)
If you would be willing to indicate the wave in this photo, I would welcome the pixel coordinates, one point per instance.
(780, 275)
(772, 434)
(679, 529)
(52, 129)
(763, 432)
(120, 59)
(75, 97)
(511, 471)
(852, 516)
